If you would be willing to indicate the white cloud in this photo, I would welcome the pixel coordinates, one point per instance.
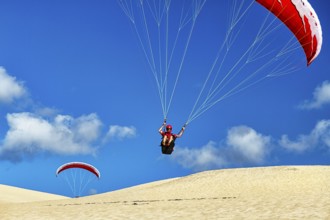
(203, 158)
(250, 145)
(318, 137)
(87, 127)
(120, 132)
(30, 134)
(243, 145)
(321, 97)
(10, 88)
(47, 131)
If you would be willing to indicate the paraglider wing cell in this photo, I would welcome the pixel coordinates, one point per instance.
(301, 19)
(80, 165)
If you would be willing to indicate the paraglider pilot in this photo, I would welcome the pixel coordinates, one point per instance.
(168, 136)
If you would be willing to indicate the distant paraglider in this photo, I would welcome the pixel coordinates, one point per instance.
(80, 165)
(78, 175)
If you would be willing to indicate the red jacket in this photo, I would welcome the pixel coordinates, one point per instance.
(168, 134)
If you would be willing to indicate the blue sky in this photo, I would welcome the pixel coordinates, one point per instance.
(75, 85)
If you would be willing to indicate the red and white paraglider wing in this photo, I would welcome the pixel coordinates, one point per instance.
(301, 19)
(80, 165)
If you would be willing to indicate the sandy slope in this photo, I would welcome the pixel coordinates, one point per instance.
(300, 192)
(9, 194)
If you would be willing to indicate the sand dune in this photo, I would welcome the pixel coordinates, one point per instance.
(286, 192)
(9, 194)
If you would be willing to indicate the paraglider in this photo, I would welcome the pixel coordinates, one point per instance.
(80, 165)
(168, 138)
(78, 175)
(165, 31)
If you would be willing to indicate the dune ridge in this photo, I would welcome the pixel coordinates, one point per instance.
(283, 192)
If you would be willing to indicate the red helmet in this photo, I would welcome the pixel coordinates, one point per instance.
(169, 127)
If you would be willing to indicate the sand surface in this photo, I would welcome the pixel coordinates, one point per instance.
(285, 192)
